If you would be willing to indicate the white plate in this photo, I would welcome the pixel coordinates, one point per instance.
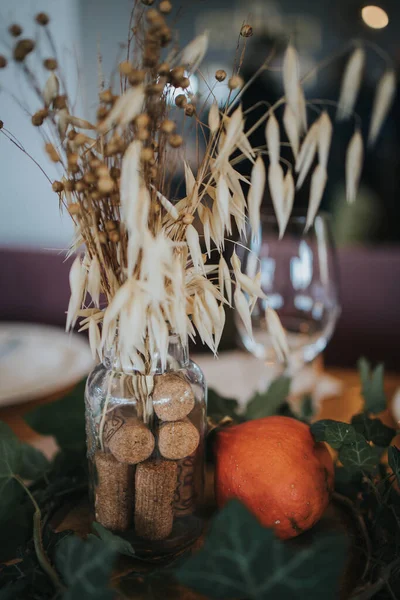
(39, 360)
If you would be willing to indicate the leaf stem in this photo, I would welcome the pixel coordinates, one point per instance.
(38, 540)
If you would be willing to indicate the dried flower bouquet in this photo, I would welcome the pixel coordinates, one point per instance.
(142, 246)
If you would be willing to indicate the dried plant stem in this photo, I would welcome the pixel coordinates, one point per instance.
(105, 407)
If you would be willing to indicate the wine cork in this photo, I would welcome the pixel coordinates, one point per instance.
(173, 397)
(155, 483)
(132, 442)
(113, 493)
(178, 439)
(188, 486)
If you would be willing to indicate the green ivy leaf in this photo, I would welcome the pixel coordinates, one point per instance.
(307, 408)
(10, 453)
(233, 562)
(335, 433)
(86, 568)
(34, 463)
(372, 386)
(394, 461)
(115, 542)
(268, 403)
(64, 419)
(359, 455)
(219, 407)
(373, 430)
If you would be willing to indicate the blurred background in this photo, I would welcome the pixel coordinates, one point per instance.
(33, 274)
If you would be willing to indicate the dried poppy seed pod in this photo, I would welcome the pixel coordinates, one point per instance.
(103, 239)
(57, 186)
(111, 225)
(102, 171)
(168, 126)
(73, 158)
(22, 49)
(80, 186)
(175, 140)
(142, 120)
(165, 37)
(15, 30)
(42, 18)
(154, 89)
(235, 82)
(3, 62)
(50, 64)
(181, 100)
(177, 73)
(190, 110)
(125, 67)
(246, 31)
(90, 178)
(165, 7)
(184, 83)
(69, 185)
(220, 75)
(115, 172)
(105, 185)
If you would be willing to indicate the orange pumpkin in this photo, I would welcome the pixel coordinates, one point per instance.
(274, 466)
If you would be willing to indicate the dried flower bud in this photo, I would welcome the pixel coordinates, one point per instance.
(125, 67)
(175, 140)
(102, 171)
(143, 134)
(114, 236)
(50, 64)
(69, 185)
(90, 178)
(246, 31)
(94, 163)
(60, 102)
(101, 113)
(220, 75)
(80, 186)
(3, 62)
(188, 219)
(102, 238)
(184, 83)
(165, 36)
(165, 7)
(115, 172)
(153, 16)
(52, 152)
(176, 74)
(57, 186)
(15, 30)
(22, 49)
(163, 69)
(142, 120)
(150, 58)
(154, 89)
(153, 172)
(74, 209)
(147, 154)
(168, 126)
(111, 226)
(37, 119)
(181, 100)
(72, 135)
(106, 96)
(105, 185)
(235, 82)
(190, 110)
(73, 169)
(73, 158)
(136, 77)
(42, 18)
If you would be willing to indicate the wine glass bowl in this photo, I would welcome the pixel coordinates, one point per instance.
(299, 276)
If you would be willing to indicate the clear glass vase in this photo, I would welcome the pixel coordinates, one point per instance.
(145, 446)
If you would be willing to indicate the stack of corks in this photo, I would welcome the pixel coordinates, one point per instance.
(144, 481)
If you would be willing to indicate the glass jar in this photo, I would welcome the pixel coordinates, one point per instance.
(145, 446)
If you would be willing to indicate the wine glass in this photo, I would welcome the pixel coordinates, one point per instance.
(299, 275)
